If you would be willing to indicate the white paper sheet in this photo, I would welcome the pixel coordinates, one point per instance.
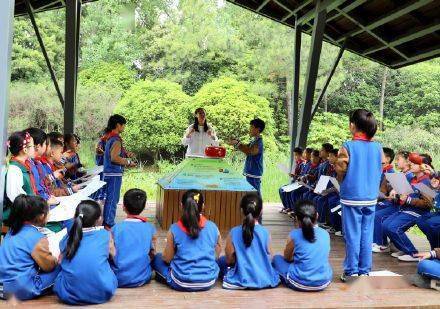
(291, 187)
(322, 184)
(383, 273)
(425, 190)
(54, 242)
(95, 170)
(399, 183)
(305, 185)
(335, 183)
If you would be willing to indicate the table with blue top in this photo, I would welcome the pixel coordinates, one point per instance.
(221, 186)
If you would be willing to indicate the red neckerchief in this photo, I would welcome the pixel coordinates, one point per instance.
(27, 165)
(331, 169)
(359, 136)
(105, 137)
(202, 223)
(416, 179)
(112, 134)
(298, 162)
(313, 165)
(387, 168)
(42, 159)
(143, 219)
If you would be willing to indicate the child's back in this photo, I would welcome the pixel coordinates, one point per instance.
(253, 268)
(87, 277)
(133, 242)
(310, 265)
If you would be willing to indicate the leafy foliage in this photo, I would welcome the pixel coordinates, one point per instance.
(108, 74)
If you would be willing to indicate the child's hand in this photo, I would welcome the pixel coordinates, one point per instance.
(403, 197)
(233, 142)
(392, 194)
(130, 154)
(76, 188)
(423, 255)
(58, 174)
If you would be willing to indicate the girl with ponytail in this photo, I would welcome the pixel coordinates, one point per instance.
(247, 263)
(86, 276)
(28, 269)
(188, 262)
(305, 265)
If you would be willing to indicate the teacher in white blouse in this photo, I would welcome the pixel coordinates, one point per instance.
(199, 135)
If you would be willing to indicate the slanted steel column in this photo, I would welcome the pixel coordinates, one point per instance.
(6, 30)
(311, 75)
(71, 63)
(43, 50)
(295, 90)
(329, 78)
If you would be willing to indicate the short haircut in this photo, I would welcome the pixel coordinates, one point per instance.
(298, 150)
(38, 135)
(134, 201)
(309, 150)
(403, 153)
(55, 135)
(389, 153)
(315, 153)
(334, 151)
(327, 147)
(56, 143)
(114, 120)
(364, 121)
(258, 123)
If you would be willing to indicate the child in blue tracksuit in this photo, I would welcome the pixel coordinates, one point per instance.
(188, 262)
(387, 206)
(299, 164)
(360, 167)
(305, 265)
(135, 240)
(412, 207)
(86, 276)
(253, 167)
(27, 268)
(429, 223)
(429, 268)
(248, 262)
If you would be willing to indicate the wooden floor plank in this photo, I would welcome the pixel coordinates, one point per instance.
(367, 292)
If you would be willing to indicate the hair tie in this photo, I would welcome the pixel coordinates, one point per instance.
(8, 143)
(196, 197)
(81, 215)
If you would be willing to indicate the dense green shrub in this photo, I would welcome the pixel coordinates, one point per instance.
(328, 128)
(156, 114)
(108, 74)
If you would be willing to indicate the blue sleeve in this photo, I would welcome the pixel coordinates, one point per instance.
(260, 146)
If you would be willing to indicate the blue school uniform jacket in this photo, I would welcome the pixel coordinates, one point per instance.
(194, 259)
(253, 268)
(361, 183)
(19, 273)
(411, 210)
(110, 168)
(253, 166)
(133, 242)
(310, 269)
(88, 277)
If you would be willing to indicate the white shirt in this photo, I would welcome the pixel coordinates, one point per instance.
(198, 141)
(14, 182)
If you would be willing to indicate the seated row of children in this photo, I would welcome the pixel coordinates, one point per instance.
(94, 262)
(43, 165)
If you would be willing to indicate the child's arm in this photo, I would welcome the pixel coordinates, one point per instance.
(168, 252)
(218, 246)
(423, 202)
(249, 150)
(229, 251)
(43, 257)
(111, 247)
(115, 155)
(342, 163)
(153, 246)
(288, 250)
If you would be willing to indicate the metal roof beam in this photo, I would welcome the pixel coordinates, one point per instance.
(300, 7)
(327, 5)
(434, 52)
(347, 9)
(262, 5)
(386, 18)
(412, 35)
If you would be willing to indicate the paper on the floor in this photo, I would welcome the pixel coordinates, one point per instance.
(399, 183)
(291, 187)
(383, 273)
(54, 242)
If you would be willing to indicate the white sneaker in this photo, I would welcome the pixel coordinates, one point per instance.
(339, 234)
(380, 249)
(397, 254)
(408, 258)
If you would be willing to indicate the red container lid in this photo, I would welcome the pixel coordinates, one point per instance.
(215, 152)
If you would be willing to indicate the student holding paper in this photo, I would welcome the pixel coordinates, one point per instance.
(299, 163)
(412, 207)
(27, 268)
(359, 168)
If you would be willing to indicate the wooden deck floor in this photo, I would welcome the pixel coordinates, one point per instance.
(365, 292)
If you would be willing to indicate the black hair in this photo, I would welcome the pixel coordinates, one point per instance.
(196, 121)
(16, 141)
(26, 208)
(67, 138)
(56, 142)
(192, 202)
(298, 150)
(404, 154)
(389, 153)
(258, 123)
(38, 135)
(134, 201)
(427, 159)
(315, 153)
(364, 121)
(305, 213)
(86, 214)
(114, 120)
(334, 151)
(55, 135)
(78, 139)
(327, 147)
(309, 150)
(251, 205)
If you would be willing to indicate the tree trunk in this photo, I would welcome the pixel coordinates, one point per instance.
(382, 97)
(325, 102)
